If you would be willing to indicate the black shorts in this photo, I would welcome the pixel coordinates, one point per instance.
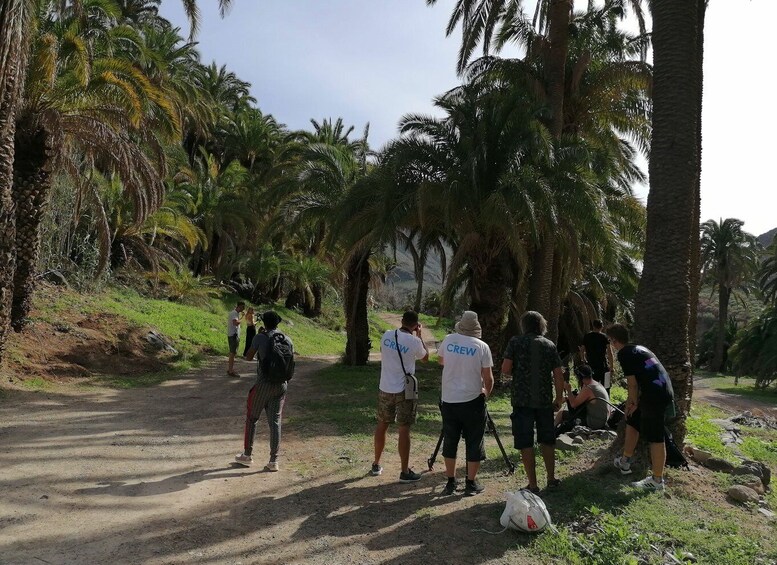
(233, 341)
(523, 426)
(648, 420)
(467, 419)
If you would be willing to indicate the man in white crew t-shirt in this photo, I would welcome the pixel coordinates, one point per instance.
(392, 404)
(467, 380)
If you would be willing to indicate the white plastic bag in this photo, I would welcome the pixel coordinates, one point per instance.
(525, 512)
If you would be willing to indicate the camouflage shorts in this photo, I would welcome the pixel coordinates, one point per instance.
(393, 406)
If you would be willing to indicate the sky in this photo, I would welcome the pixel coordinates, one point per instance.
(373, 61)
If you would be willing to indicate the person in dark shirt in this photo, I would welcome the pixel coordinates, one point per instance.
(535, 365)
(650, 393)
(597, 354)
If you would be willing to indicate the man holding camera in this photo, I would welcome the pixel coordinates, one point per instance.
(467, 380)
(233, 336)
(534, 362)
(590, 405)
(397, 397)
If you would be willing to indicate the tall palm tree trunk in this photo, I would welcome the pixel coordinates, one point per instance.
(541, 296)
(13, 63)
(663, 299)
(357, 346)
(489, 297)
(695, 239)
(31, 188)
(719, 358)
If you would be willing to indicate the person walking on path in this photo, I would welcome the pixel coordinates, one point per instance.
(250, 330)
(467, 380)
(399, 350)
(597, 354)
(534, 363)
(264, 396)
(650, 394)
(233, 336)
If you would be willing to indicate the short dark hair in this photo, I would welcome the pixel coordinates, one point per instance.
(584, 372)
(271, 319)
(240, 303)
(409, 318)
(533, 322)
(619, 333)
(597, 324)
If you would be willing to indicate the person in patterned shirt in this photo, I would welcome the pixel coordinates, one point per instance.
(535, 365)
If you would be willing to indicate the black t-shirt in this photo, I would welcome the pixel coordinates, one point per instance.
(655, 387)
(596, 344)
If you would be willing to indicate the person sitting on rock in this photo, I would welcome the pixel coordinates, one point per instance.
(590, 405)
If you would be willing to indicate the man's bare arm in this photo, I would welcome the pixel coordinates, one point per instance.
(488, 380)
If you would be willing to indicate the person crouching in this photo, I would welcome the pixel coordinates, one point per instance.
(467, 380)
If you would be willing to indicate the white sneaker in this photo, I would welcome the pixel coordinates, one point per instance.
(649, 483)
(243, 459)
(623, 465)
(272, 466)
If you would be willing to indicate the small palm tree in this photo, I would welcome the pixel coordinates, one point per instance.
(729, 259)
(767, 274)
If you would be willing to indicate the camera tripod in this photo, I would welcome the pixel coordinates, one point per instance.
(491, 429)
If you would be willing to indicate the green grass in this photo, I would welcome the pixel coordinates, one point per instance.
(704, 434)
(625, 525)
(36, 383)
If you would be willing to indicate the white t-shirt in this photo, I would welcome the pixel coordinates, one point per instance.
(464, 357)
(232, 328)
(392, 378)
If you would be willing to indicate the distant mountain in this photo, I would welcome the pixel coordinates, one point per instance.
(767, 238)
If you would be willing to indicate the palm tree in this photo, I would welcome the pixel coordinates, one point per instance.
(82, 97)
(767, 274)
(14, 23)
(729, 259)
(664, 296)
(473, 176)
(17, 31)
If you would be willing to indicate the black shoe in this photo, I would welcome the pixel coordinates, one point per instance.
(473, 487)
(535, 490)
(553, 485)
(450, 488)
(409, 477)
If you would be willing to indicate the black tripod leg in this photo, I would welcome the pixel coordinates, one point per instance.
(433, 458)
(492, 430)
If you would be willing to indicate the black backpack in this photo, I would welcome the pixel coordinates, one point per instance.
(674, 457)
(278, 365)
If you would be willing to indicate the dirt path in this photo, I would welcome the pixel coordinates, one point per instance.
(145, 476)
(729, 402)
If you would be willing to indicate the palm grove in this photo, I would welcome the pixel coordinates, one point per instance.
(122, 153)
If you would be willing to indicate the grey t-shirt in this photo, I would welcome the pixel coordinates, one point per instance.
(597, 410)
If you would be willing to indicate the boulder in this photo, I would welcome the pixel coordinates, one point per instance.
(697, 454)
(768, 513)
(741, 493)
(755, 468)
(727, 425)
(159, 342)
(565, 443)
(577, 440)
(751, 481)
(718, 464)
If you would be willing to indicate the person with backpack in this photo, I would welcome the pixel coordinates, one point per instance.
(274, 368)
(398, 390)
(650, 394)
